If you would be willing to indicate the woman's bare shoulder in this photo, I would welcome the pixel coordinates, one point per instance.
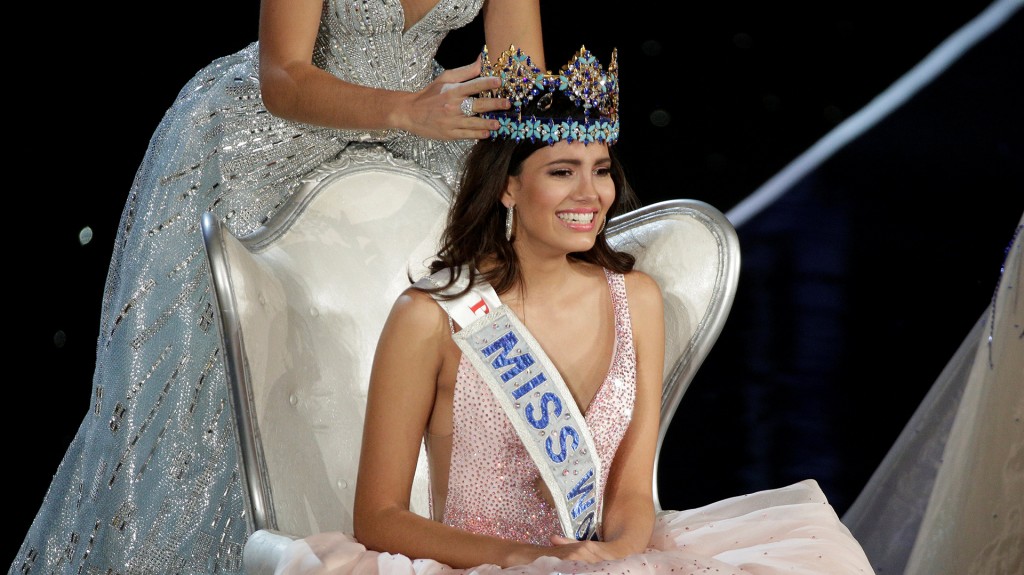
(416, 309)
(642, 286)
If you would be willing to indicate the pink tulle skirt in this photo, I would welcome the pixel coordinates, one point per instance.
(792, 530)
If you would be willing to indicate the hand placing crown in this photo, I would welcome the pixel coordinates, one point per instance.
(580, 103)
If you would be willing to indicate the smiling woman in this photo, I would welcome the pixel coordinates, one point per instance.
(530, 362)
(563, 193)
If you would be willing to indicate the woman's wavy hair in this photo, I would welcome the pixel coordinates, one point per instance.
(475, 230)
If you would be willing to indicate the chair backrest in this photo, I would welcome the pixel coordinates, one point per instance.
(301, 303)
(692, 251)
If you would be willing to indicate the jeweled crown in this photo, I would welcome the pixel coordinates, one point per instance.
(538, 98)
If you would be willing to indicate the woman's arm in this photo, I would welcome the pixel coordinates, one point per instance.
(628, 517)
(295, 89)
(629, 499)
(514, 22)
(412, 352)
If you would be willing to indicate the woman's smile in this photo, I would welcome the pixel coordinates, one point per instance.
(580, 219)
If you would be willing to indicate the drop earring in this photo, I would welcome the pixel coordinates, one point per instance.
(508, 222)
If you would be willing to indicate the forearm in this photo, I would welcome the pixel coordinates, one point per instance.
(517, 22)
(310, 95)
(627, 526)
(402, 531)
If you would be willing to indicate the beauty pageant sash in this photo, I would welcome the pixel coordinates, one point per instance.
(535, 399)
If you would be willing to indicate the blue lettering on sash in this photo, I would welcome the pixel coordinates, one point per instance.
(583, 532)
(504, 346)
(563, 453)
(581, 489)
(544, 417)
(526, 387)
(500, 355)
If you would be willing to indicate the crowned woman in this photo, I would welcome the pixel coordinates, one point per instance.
(530, 363)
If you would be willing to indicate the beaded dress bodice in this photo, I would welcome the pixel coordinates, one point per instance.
(493, 485)
(367, 43)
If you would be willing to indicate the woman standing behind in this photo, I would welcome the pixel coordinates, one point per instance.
(530, 362)
(149, 484)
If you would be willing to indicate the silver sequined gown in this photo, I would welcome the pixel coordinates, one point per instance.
(150, 482)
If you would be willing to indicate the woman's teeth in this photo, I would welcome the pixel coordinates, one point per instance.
(577, 217)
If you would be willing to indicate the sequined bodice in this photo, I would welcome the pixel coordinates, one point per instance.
(493, 483)
(366, 42)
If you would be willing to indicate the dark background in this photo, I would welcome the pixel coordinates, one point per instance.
(856, 286)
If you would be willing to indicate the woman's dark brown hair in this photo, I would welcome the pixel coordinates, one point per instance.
(475, 230)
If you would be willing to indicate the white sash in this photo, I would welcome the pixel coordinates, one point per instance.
(535, 398)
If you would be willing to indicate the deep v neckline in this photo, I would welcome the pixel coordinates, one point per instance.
(615, 349)
(611, 363)
(405, 21)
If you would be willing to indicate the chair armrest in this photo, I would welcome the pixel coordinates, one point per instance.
(263, 551)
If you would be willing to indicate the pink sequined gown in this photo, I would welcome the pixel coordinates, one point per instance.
(491, 490)
(491, 483)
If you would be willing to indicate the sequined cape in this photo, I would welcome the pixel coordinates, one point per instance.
(150, 483)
